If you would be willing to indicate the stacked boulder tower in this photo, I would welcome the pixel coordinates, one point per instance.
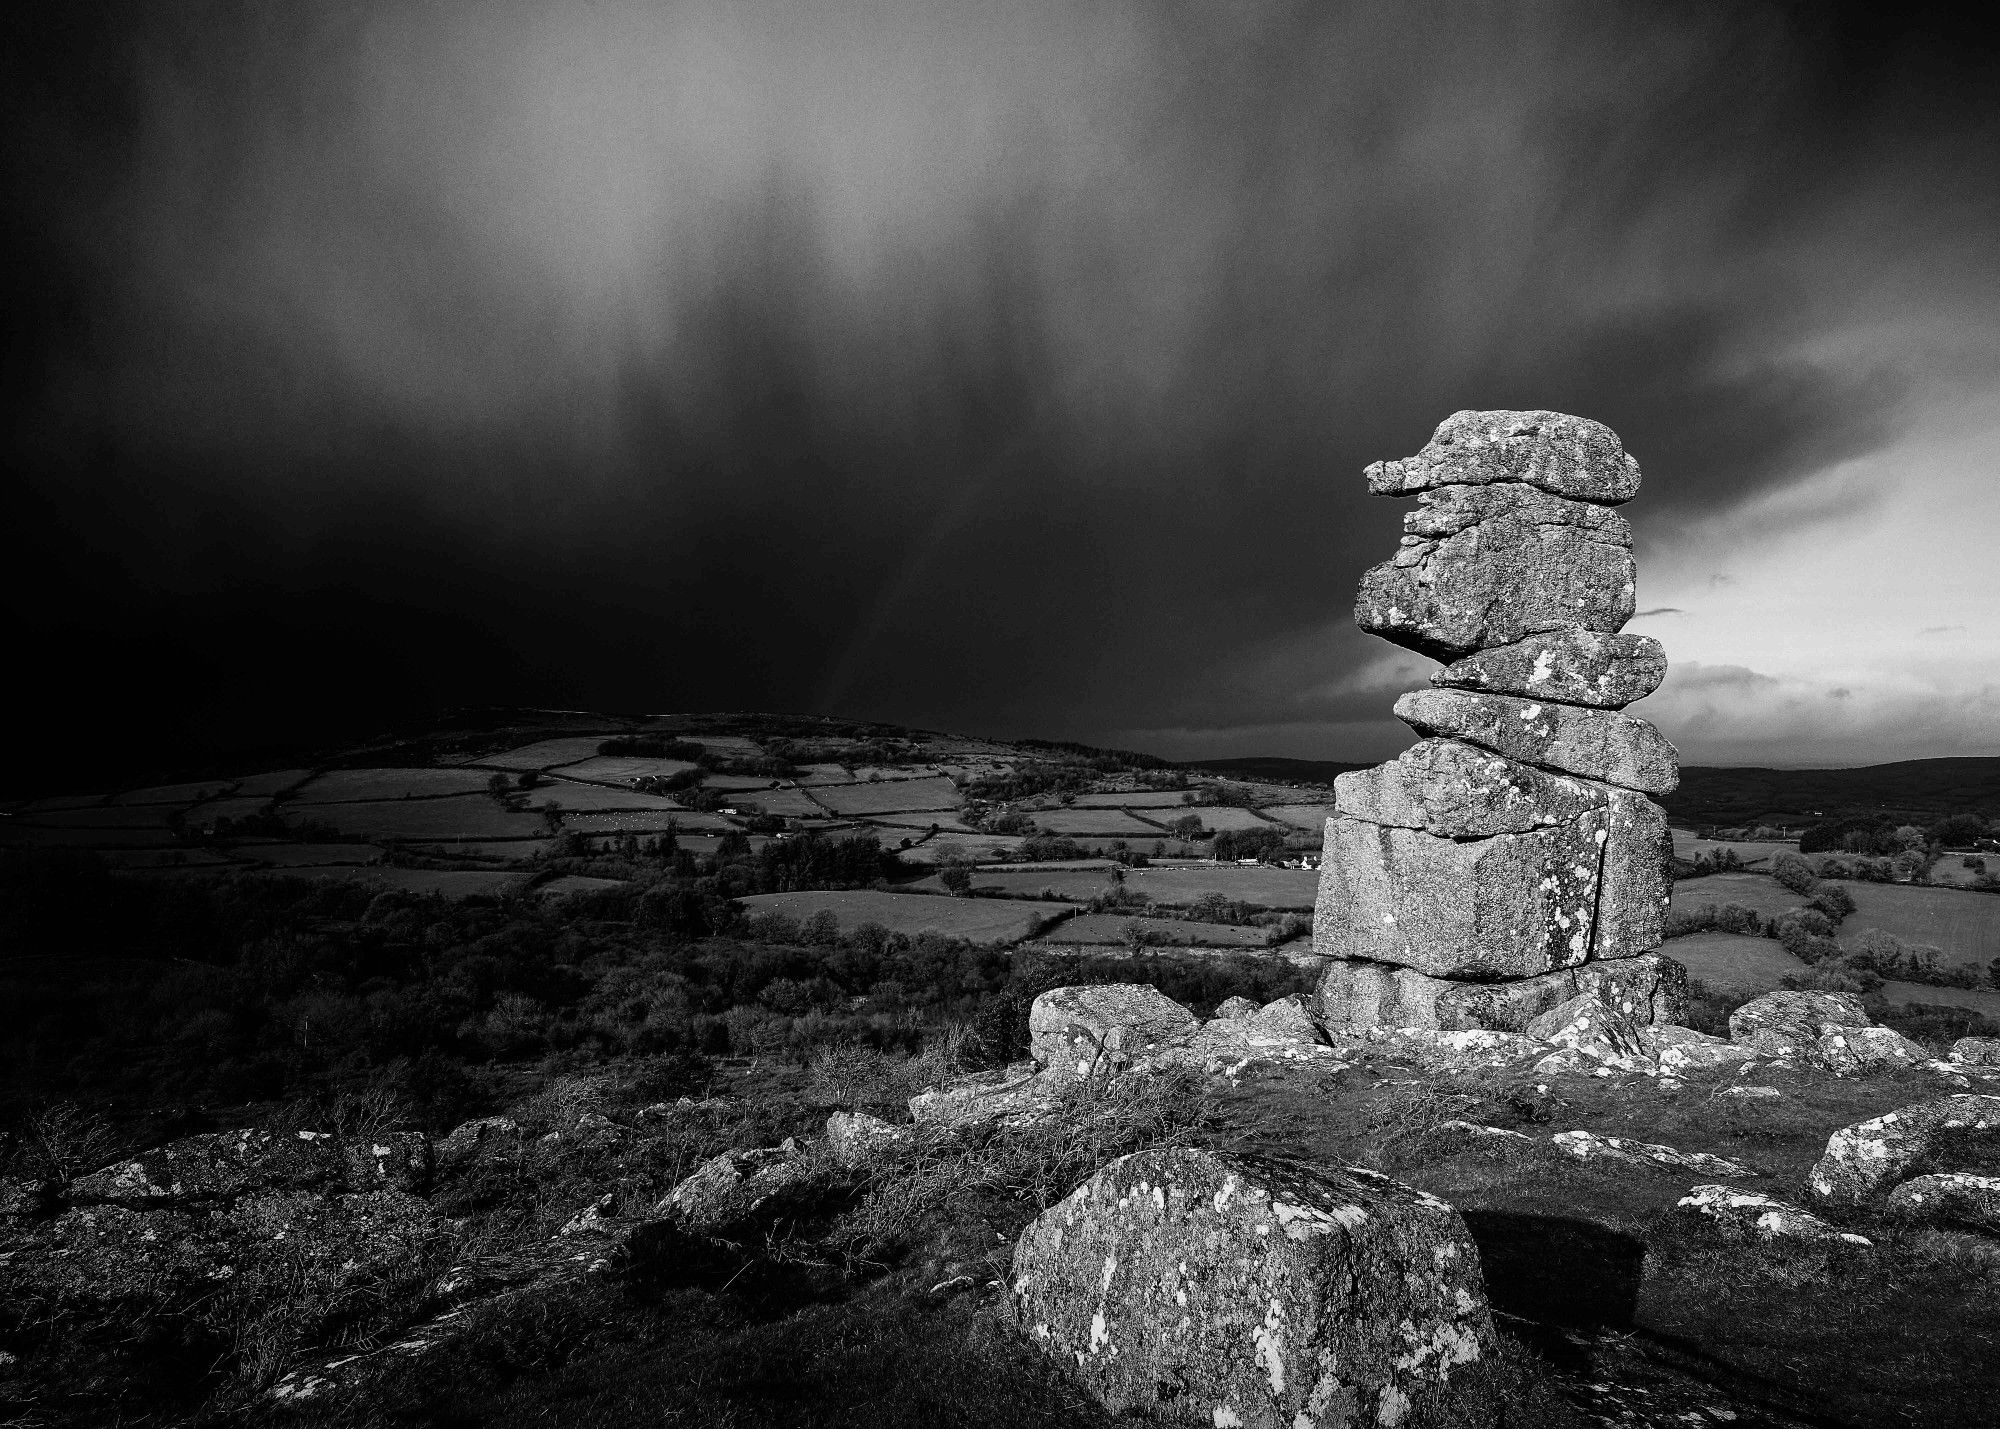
(1512, 859)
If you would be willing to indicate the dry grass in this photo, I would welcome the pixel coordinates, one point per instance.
(1014, 1173)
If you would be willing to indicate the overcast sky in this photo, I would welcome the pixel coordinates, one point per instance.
(1006, 368)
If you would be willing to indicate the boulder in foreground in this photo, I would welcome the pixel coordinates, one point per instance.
(1233, 1290)
(1864, 1160)
(1949, 1198)
(1086, 1031)
(1790, 1024)
(1746, 1215)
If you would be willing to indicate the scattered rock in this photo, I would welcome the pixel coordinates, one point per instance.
(1848, 1051)
(728, 1189)
(1868, 1158)
(26, 1196)
(1568, 456)
(854, 1138)
(1578, 667)
(1978, 1051)
(1680, 1050)
(1486, 566)
(223, 1165)
(1234, 1007)
(1594, 743)
(1484, 1133)
(1249, 1292)
(1085, 1031)
(1015, 1096)
(1789, 1024)
(1750, 1093)
(466, 1140)
(1746, 1215)
(1949, 1198)
(1584, 1024)
(1588, 1146)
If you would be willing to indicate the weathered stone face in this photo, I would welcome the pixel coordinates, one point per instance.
(1083, 1031)
(1638, 878)
(1509, 906)
(1482, 566)
(1597, 744)
(1864, 1160)
(1354, 994)
(1578, 667)
(1788, 1024)
(1456, 790)
(1952, 1198)
(1570, 456)
(1233, 1290)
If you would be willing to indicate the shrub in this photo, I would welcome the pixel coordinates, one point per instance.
(1735, 918)
(1794, 872)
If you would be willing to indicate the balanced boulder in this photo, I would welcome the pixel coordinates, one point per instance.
(1569, 456)
(1234, 1290)
(1595, 743)
(1647, 989)
(1578, 667)
(1481, 566)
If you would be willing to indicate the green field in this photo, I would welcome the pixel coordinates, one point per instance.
(595, 798)
(1221, 816)
(176, 793)
(643, 821)
(791, 803)
(345, 786)
(1951, 869)
(309, 855)
(1137, 799)
(103, 816)
(205, 816)
(1110, 928)
(1728, 962)
(546, 753)
(1109, 823)
(277, 781)
(1686, 845)
(936, 849)
(1263, 886)
(890, 796)
(13, 831)
(465, 816)
(1964, 927)
(980, 920)
(623, 769)
(1311, 817)
(1751, 890)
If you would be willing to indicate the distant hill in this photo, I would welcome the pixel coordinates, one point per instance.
(1915, 787)
(1282, 771)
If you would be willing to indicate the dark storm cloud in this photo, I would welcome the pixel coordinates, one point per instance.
(995, 367)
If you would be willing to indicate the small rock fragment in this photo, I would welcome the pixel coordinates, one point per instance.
(1949, 1198)
(1746, 1215)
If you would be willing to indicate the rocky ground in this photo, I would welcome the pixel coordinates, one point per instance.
(1780, 1231)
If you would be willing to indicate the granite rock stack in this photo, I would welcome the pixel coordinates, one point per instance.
(1512, 859)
